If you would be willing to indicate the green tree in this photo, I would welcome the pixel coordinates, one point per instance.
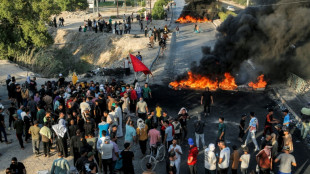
(72, 5)
(23, 25)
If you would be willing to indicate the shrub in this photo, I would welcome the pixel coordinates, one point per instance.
(158, 9)
(223, 15)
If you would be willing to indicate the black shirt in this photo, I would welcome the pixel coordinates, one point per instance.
(170, 167)
(207, 97)
(32, 85)
(1, 120)
(12, 110)
(183, 119)
(17, 168)
(242, 123)
(61, 81)
(127, 157)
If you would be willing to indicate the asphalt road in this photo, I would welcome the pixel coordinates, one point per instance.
(186, 49)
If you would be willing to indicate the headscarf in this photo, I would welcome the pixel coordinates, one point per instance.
(211, 148)
(180, 112)
(140, 125)
(138, 88)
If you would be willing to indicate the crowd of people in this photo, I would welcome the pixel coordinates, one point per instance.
(86, 119)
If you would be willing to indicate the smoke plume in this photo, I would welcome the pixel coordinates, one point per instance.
(277, 37)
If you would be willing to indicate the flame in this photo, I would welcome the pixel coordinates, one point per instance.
(196, 81)
(190, 19)
(261, 83)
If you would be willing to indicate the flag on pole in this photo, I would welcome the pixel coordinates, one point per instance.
(138, 65)
(74, 78)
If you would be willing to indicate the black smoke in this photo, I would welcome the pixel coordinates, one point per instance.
(276, 37)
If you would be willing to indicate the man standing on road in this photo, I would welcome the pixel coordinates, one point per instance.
(146, 92)
(141, 109)
(19, 127)
(35, 136)
(141, 130)
(139, 55)
(253, 126)
(221, 130)
(268, 123)
(2, 127)
(192, 157)
(126, 66)
(206, 101)
(199, 132)
(154, 136)
(286, 121)
(168, 134)
(174, 147)
(224, 158)
(286, 161)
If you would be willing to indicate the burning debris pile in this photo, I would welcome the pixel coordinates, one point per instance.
(276, 37)
(198, 11)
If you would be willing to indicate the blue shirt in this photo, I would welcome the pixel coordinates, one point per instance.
(103, 126)
(130, 132)
(168, 131)
(252, 124)
(287, 120)
(19, 111)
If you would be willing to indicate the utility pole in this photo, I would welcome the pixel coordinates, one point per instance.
(125, 6)
(150, 7)
(247, 3)
(97, 7)
(93, 6)
(117, 8)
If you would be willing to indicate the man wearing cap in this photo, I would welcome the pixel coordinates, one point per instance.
(192, 157)
(19, 127)
(286, 121)
(286, 161)
(106, 150)
(268, 123)
(35, 136)
(17, 167)
(61, 80)
(60, 165)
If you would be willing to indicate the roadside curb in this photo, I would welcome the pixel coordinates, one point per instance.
(284, 102)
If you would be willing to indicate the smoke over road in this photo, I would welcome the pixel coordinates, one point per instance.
(276, 37)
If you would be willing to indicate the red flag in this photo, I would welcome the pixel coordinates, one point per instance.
(138, 65)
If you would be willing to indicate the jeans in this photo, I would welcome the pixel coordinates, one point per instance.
(20, 139)
(36, 146)
(143, 146)
(2, 129)
(105, 164)
(192, 169)
(200, 136)
(207, 171)
(251, 135)
(244, 170)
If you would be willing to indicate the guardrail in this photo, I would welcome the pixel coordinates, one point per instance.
(157, 56)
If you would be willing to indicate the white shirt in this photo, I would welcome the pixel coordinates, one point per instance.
(141, 107)
(126, 63)
(210, 160)
(225, 155)
(112, 119)
(245, 161)
(83, 106)
(176, 153)
(106, 150)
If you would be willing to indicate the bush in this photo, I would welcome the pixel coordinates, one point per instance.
(72, 5)
(143, 3)
(158, 9)
(223, 15)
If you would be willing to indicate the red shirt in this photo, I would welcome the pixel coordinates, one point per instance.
(193, 152)
(133, 95)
